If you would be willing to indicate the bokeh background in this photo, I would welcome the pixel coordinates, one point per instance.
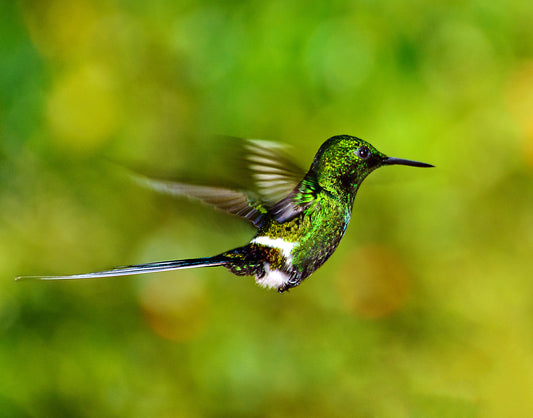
(425, 310)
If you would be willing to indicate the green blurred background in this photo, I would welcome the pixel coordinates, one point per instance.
(425, 310)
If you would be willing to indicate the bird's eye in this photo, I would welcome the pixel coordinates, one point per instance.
(363, 153)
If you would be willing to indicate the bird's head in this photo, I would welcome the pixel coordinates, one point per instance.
(343, 162)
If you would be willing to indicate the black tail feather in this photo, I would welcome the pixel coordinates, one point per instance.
(218, 260)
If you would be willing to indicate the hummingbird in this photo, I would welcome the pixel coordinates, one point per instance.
(300, 216)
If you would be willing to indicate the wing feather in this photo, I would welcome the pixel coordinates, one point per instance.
(278, 184)
(235, 202)
(273, 170)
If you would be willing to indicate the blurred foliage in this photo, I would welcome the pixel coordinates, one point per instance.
(425, 310)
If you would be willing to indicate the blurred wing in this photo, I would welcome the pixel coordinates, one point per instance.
(232, 201)
(273, 171)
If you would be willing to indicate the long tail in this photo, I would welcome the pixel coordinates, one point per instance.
(218, 260)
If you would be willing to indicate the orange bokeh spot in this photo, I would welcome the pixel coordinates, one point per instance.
(174, 309)
(374, 282)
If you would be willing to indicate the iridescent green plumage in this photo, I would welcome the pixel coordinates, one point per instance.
(300, 217)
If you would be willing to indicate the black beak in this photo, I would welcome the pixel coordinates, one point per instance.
(401, 161)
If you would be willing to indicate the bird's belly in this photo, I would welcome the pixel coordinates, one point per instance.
(317, 247)
(273, 279)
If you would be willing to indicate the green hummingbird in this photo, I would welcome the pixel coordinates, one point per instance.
(300, 216)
